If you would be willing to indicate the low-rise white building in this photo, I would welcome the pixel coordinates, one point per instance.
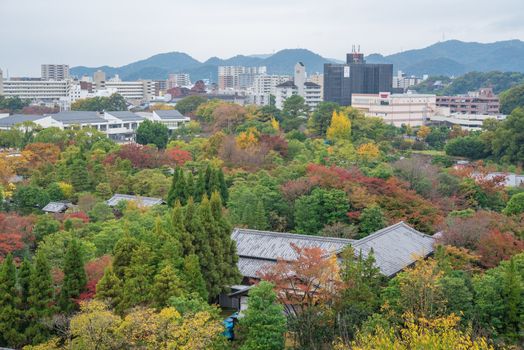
(142, 90)
(397, 109)
(311, 92)
(173, 119)
(465, 121)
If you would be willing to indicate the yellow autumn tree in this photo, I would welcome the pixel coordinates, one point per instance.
(275, 124)
(429, 334)
(340, 127)
(368, 152)
(423, 132)
(248, 138)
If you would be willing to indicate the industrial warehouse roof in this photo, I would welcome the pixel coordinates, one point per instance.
(143, 201)
(18, 118)
(78, 117)
(55, 207)
(126, 116)
(169, 114)
(395, 247)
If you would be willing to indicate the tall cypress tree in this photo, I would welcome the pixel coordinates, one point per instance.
(167, 283)
(40, 300)
(109, 288)
(9, 305)
(214, 182)
(122, 254)
(171, 195)
(138, 279)
(190, 185)
(193, 278)
(180, 188)
(75, 278)
(228, 267)
(224, 193)
(211, 232)
(200, 187)
(179, 230)
(24, 275)
(207, 179)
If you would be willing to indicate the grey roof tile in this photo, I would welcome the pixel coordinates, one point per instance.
(144, 201)
(169, 114)
(55, 207)
(18, 118)
(126, 116)
(78, 117)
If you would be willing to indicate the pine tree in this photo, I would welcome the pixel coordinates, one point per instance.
(122, 254)
(214, 182)
(193, 278)
(180, 192)
(207, 179)
(512, 292)
(190, 185)
(200, 187)
(24, 275)
(109, 288)
(213, 273)
(171, 195)
(224, 193)
(167, 283)
(165, 246)
(264, 323)
(79, 175)
(138, 279)
(40, 300)
(75, 278)
(179, 230)
(9, 305)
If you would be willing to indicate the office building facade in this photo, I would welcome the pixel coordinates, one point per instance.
(55, 71)
(355, 76)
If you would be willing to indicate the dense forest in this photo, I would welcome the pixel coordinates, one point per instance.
(137, 277)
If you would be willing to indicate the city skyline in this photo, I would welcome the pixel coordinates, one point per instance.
(119, 32)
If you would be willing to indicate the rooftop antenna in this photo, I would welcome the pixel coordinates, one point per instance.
(359, 48)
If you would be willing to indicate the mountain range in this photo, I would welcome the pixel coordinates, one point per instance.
(448, 58)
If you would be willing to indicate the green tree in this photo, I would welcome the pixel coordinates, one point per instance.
(515, 205)
(511, 99)
(507, 142)
(116, 102)
(79, 176)
(138, 281)
(167, 283)
(29, 198)
(189, 104)
(361, 296)
(109, 288)
(152, 133)
(224, 192)
(294, 112)
(193, 279)
(467, 146)
(372, 219)
(75, 277)
(321, 117)
(10, 334)
(264, 322)
(123, 253)
(40, 300)
(320, 208)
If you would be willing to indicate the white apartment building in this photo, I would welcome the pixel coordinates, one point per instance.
(397, 109)
(402, 81)
(55, 71)
(179, 79)
(235, 77)
(143, 90)
(173, 119)
(311, 92)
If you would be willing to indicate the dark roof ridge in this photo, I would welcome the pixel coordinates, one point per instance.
(388, 229)
(295, 235)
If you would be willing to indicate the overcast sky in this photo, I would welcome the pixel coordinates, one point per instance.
(117, 32)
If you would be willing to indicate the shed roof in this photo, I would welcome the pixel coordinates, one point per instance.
(19, 118)
(78, 117)
(169, 114)
(144, 201)
(126, 116)
(395, 247)
(55, 207)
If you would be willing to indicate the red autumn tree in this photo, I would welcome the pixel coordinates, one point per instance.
(177, 157)
(310, 279)
(497, 246)
(15, 233)
(140, 156)
(94, 270)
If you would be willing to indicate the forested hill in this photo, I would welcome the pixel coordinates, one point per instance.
(454, 57)
(449, 58)
(443, 85)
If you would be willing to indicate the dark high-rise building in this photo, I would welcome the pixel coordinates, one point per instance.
(356, 76)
